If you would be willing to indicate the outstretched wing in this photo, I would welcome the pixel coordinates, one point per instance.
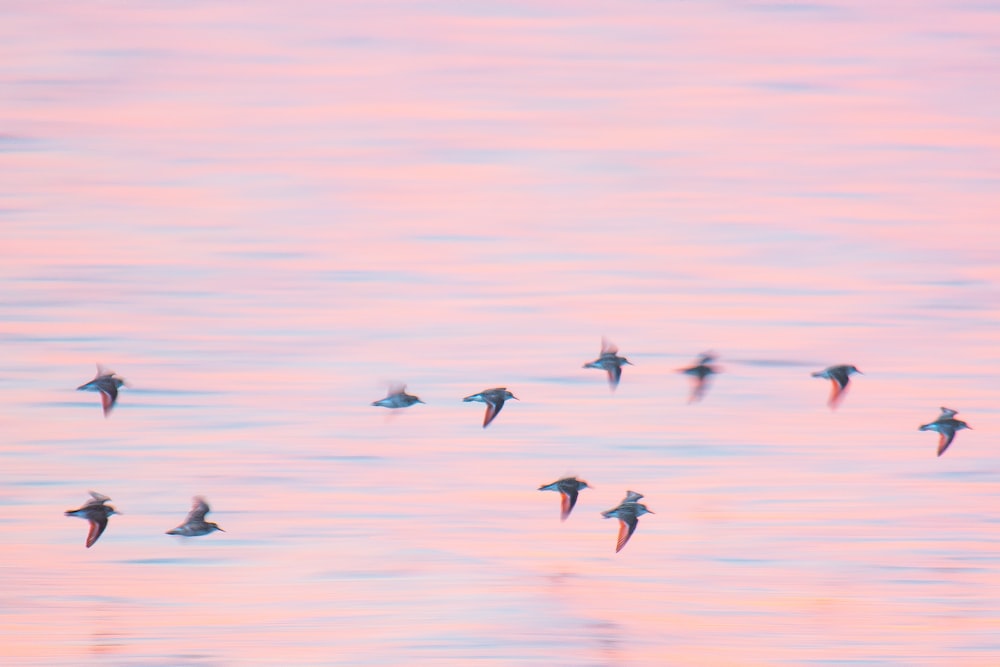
(198, 510)
(569, 497)
(626, 526)
(614, 375)
(607, 347)
(632, 496)
(698, 389)
(109, 394)
(836, 392)
(98, 522)
(98, 498)
(945, 440)
(493, 408)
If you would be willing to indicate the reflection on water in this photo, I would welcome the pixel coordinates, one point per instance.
(263, 219)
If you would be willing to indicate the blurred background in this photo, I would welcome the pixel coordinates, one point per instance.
(262, 216)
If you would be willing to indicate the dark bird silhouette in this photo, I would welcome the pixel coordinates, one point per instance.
(840, 376)
(195, 523)
(397, 398)
(95, 511)
(610, 361)
(494, 400)
(107, 383)
(627, 513)
(700, 372)
(946, 425)
(569, 489)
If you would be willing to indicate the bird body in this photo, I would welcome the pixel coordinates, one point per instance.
(397, 398)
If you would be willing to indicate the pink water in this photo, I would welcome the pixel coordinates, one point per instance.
(261, 215)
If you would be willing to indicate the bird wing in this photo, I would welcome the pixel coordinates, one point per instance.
(945, 440)
(840, 375)
(836, 392)
(614, 375)
(569, 497)
(97, 498)
(626, 526)
(698, 389)
(198, 510)
(607, 347)
(493, 408)
(109, 394)
(98, 522)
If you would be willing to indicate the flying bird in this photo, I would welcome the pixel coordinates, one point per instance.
(569, 489)
(840, 376)
(397, 398)
(96, 512)
(195, 523)
(947, 426)
(627, 513)
(107, 383)
(700, 372)
(610, 361)
(494, 400)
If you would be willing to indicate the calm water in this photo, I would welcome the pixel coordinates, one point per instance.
(262, 215)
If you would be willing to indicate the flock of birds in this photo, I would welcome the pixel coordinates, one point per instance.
(96, 510)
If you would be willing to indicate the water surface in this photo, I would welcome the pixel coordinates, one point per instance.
(262, 217)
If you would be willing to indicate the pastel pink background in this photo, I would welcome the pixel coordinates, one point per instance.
(263, 214)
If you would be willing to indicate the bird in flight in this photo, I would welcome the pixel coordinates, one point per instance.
(494, 400)
(569, 489)
(610, 361)
(946, 425)
(840, 376)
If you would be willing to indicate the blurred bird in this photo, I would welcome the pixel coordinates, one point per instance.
(96, 512)
(195, 523)
(947, 427)
(494, 400)
(839, 376)
(610, 361)
(627, 513)
(107, 383)
(397, 398)
(569, 488)
(701, 371)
